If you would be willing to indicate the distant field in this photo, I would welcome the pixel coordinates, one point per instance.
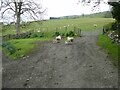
(50, 26)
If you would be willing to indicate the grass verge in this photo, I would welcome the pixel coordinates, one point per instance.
(111, 48)
(22, 47)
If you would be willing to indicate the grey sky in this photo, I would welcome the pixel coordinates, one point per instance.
(56, 8)
(70, 7)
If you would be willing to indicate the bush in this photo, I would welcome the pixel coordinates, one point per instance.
(56, 34)
(63, 34)
(41, 34)
(34, 35)
(70, 33)
(114, 26)
(9, 47)
(111, 26)
(67, 35)
(4, 44)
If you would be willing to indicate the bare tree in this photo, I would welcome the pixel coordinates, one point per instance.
(21, 7)
(95, 3)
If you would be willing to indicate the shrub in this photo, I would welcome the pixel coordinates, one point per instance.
(34, 35)
(9, 47)
(4, 44)
(41, 34)
(70, 33)
(63, 34)
(56, 34)
(111, 26)
(114, 26)
(67, 35)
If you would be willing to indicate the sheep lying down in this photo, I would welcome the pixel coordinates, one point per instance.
(69, 40)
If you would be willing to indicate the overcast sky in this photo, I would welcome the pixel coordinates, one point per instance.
(58, 8)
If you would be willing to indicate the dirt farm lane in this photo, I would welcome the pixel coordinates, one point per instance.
(80, 65)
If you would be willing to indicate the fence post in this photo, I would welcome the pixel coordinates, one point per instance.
(80, 32)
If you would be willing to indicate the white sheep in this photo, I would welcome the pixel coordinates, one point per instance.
(70, 39)
(58, 37)
(95, 25)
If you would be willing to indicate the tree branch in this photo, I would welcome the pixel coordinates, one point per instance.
(5, 11)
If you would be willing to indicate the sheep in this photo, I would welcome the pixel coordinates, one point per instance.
(57, 39)
(69, 40)
(95, 25)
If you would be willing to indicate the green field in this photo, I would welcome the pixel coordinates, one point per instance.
(50, 26)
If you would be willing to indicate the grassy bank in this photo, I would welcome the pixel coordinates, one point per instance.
(109, 47)
(22, 47)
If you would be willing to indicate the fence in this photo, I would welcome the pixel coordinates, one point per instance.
(28, 33)
(77, 31)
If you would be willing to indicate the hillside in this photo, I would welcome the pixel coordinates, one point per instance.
(106, 14)
(59, 25)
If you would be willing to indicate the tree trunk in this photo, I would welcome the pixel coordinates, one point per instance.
(18, 25)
